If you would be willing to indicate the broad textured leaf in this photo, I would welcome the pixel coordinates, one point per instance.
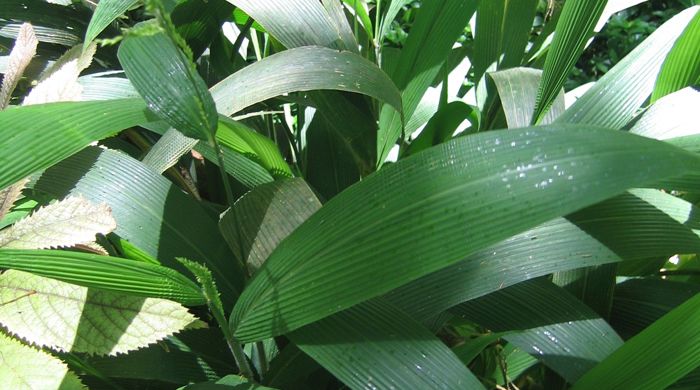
(66, 317)
(107, 273)
(632, 226)
(150, 211)
(575, 25)
(26, 368)
(22, 52)
(616, 97)
(59, 130)
(448, 194)
(380, 353)
(303, 69)
(105, 13)
(168, 81)
(106, 86)
(337, 16)
(295, 23)
(672, 116)
(167, 151)
(69, 222)
(262, 218)
(198, 22)
(655, 358)
(52, 23)
(437, 27)
(681, 67)
(517, 89)
(554, 326)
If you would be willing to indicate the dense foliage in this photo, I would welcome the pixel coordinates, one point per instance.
(304, 194)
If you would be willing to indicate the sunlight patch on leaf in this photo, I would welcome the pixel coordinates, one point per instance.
(21, 55)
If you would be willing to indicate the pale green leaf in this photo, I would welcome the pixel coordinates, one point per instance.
(67, 317)
(672, 116)
(105, 13)
(26, 368)
(168, 150)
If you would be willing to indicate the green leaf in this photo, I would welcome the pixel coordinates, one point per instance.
(72, 221)
(66, 317)
(294, 23)
(437, 27)
(303, 69)
(105, 13)
(655, 358)
(52, 23)
(8, 196)
(168, 81)
(25, 367)
(103, 272)
(672, 116)
(681, 68)
(167, 151)
(386, 346)
(554, 326)
(517, 89)
(150, 211)
(59, 130)
(337, 15)
(616, 97)
(430, 202)
(575, 26)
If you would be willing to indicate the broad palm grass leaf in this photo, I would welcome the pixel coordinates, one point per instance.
(437, 27)
(25, 368)
(389, 348)
(167, 151)
(105, 13)
(150, 211)
(72, 221)
(168, 81)
(100, 86)
(303, 69)
(632, 226)
(52, 23)
(640, 302)
(655, 358)
(426, 202)
(616, 97)
(681, 68)
(60, 130)
(672, 116)
(295, 23)
(245, 170)
(82, 319)
(575, 25)
(517, 23)
(359, 9)
(337, 16)
(517, 89)
(22, 52)
(553, 325)
(106, 273)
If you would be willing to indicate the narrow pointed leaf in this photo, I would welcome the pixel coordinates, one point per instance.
(59, 130)
(103, 272)
(67, 317)
(168, 81)
(303, 69)
(105, 13)
(447, 191)
(25, 368)
(575, 25)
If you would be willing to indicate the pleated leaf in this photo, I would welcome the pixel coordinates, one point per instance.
(167, 151)
(27, 368)
(303, 69)
(168, 81)
(615, 98)
(52, 23)
(441, 199)
(105, 13)
(575, 25)
(517, 89)
(681, 68)
(103, 272)
(672, 116)
(655, 358)
(374, 345)
(72, 221)
(59, 130)
(66, 317)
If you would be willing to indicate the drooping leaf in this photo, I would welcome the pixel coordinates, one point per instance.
(82, 319)
(168, 81)
(433, 193)
(59, 130)
(72, 221)
(681, 68)
(22, 52)
(103, 272)
(105, 13)
(517, 89)
(337, 16)
(575, 25)
(303, 69)
(26, 368)
(52, 23)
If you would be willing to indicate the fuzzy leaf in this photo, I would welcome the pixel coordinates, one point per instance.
(22, 53)
(72, 221)
(24, 367)
(82, 319)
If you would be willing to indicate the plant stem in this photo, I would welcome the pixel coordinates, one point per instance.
(262, 359)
